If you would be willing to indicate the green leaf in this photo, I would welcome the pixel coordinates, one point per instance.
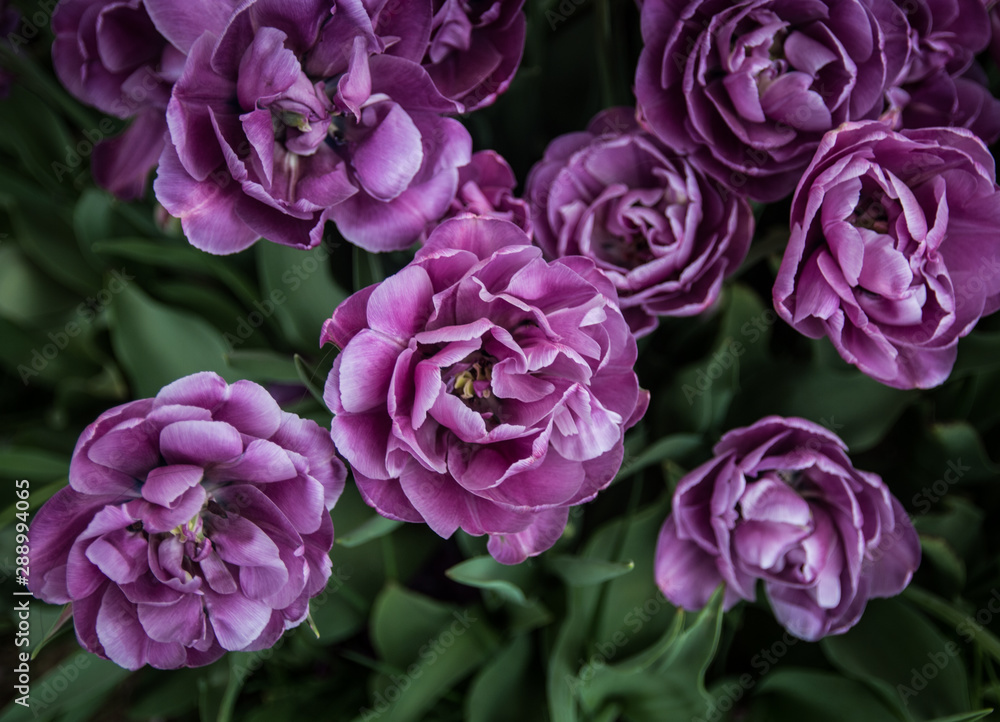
(631, 603)
(33, 464)
(260, 365)
(487, 573)
(38, 137)
(976, 352)
(890, 648)
(403, 621)
(671, 447)
(233, 686)
(961, 445)
(666, 681)
(430, 646)
(157, 344)
(298, 289)
(169, 696)
(967, 717)
(525, 618)
(858, 409)
(964, 625)
(64, 616)
(169, 253)
(311, 378)
(579, 572)
(374, 528)
(448, 659)
(27, 296)
(942, 557)
(336, 610)
(92, 218)
(42, 237)
(955, 520)
(497, 694)
(793, 695)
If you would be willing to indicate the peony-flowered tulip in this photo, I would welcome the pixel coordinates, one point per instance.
(893, 251)
(194, 523)
(289, 115)
(109, 54)
(663, 233)
(781, 502)
(475, 48)
(482, 388)
(943, 85)
(486, 188)
(748, 88)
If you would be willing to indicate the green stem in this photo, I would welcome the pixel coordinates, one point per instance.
(606, 63)
(228, 703)
(619, 549)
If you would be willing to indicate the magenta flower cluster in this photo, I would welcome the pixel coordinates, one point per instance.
(488, 385)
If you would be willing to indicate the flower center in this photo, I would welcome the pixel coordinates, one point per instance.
(792, 478)
(870, 213)
(471, 381)
(474, 381)
(192, 531)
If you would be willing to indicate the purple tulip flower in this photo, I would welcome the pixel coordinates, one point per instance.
(482, 388)
(475, 49)
(195, 522)
(750, 87)
(486, 188)
(893, 251)
(109, 54)
(289, 115)
(663, 233)
(781, 502)
(943, 83)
